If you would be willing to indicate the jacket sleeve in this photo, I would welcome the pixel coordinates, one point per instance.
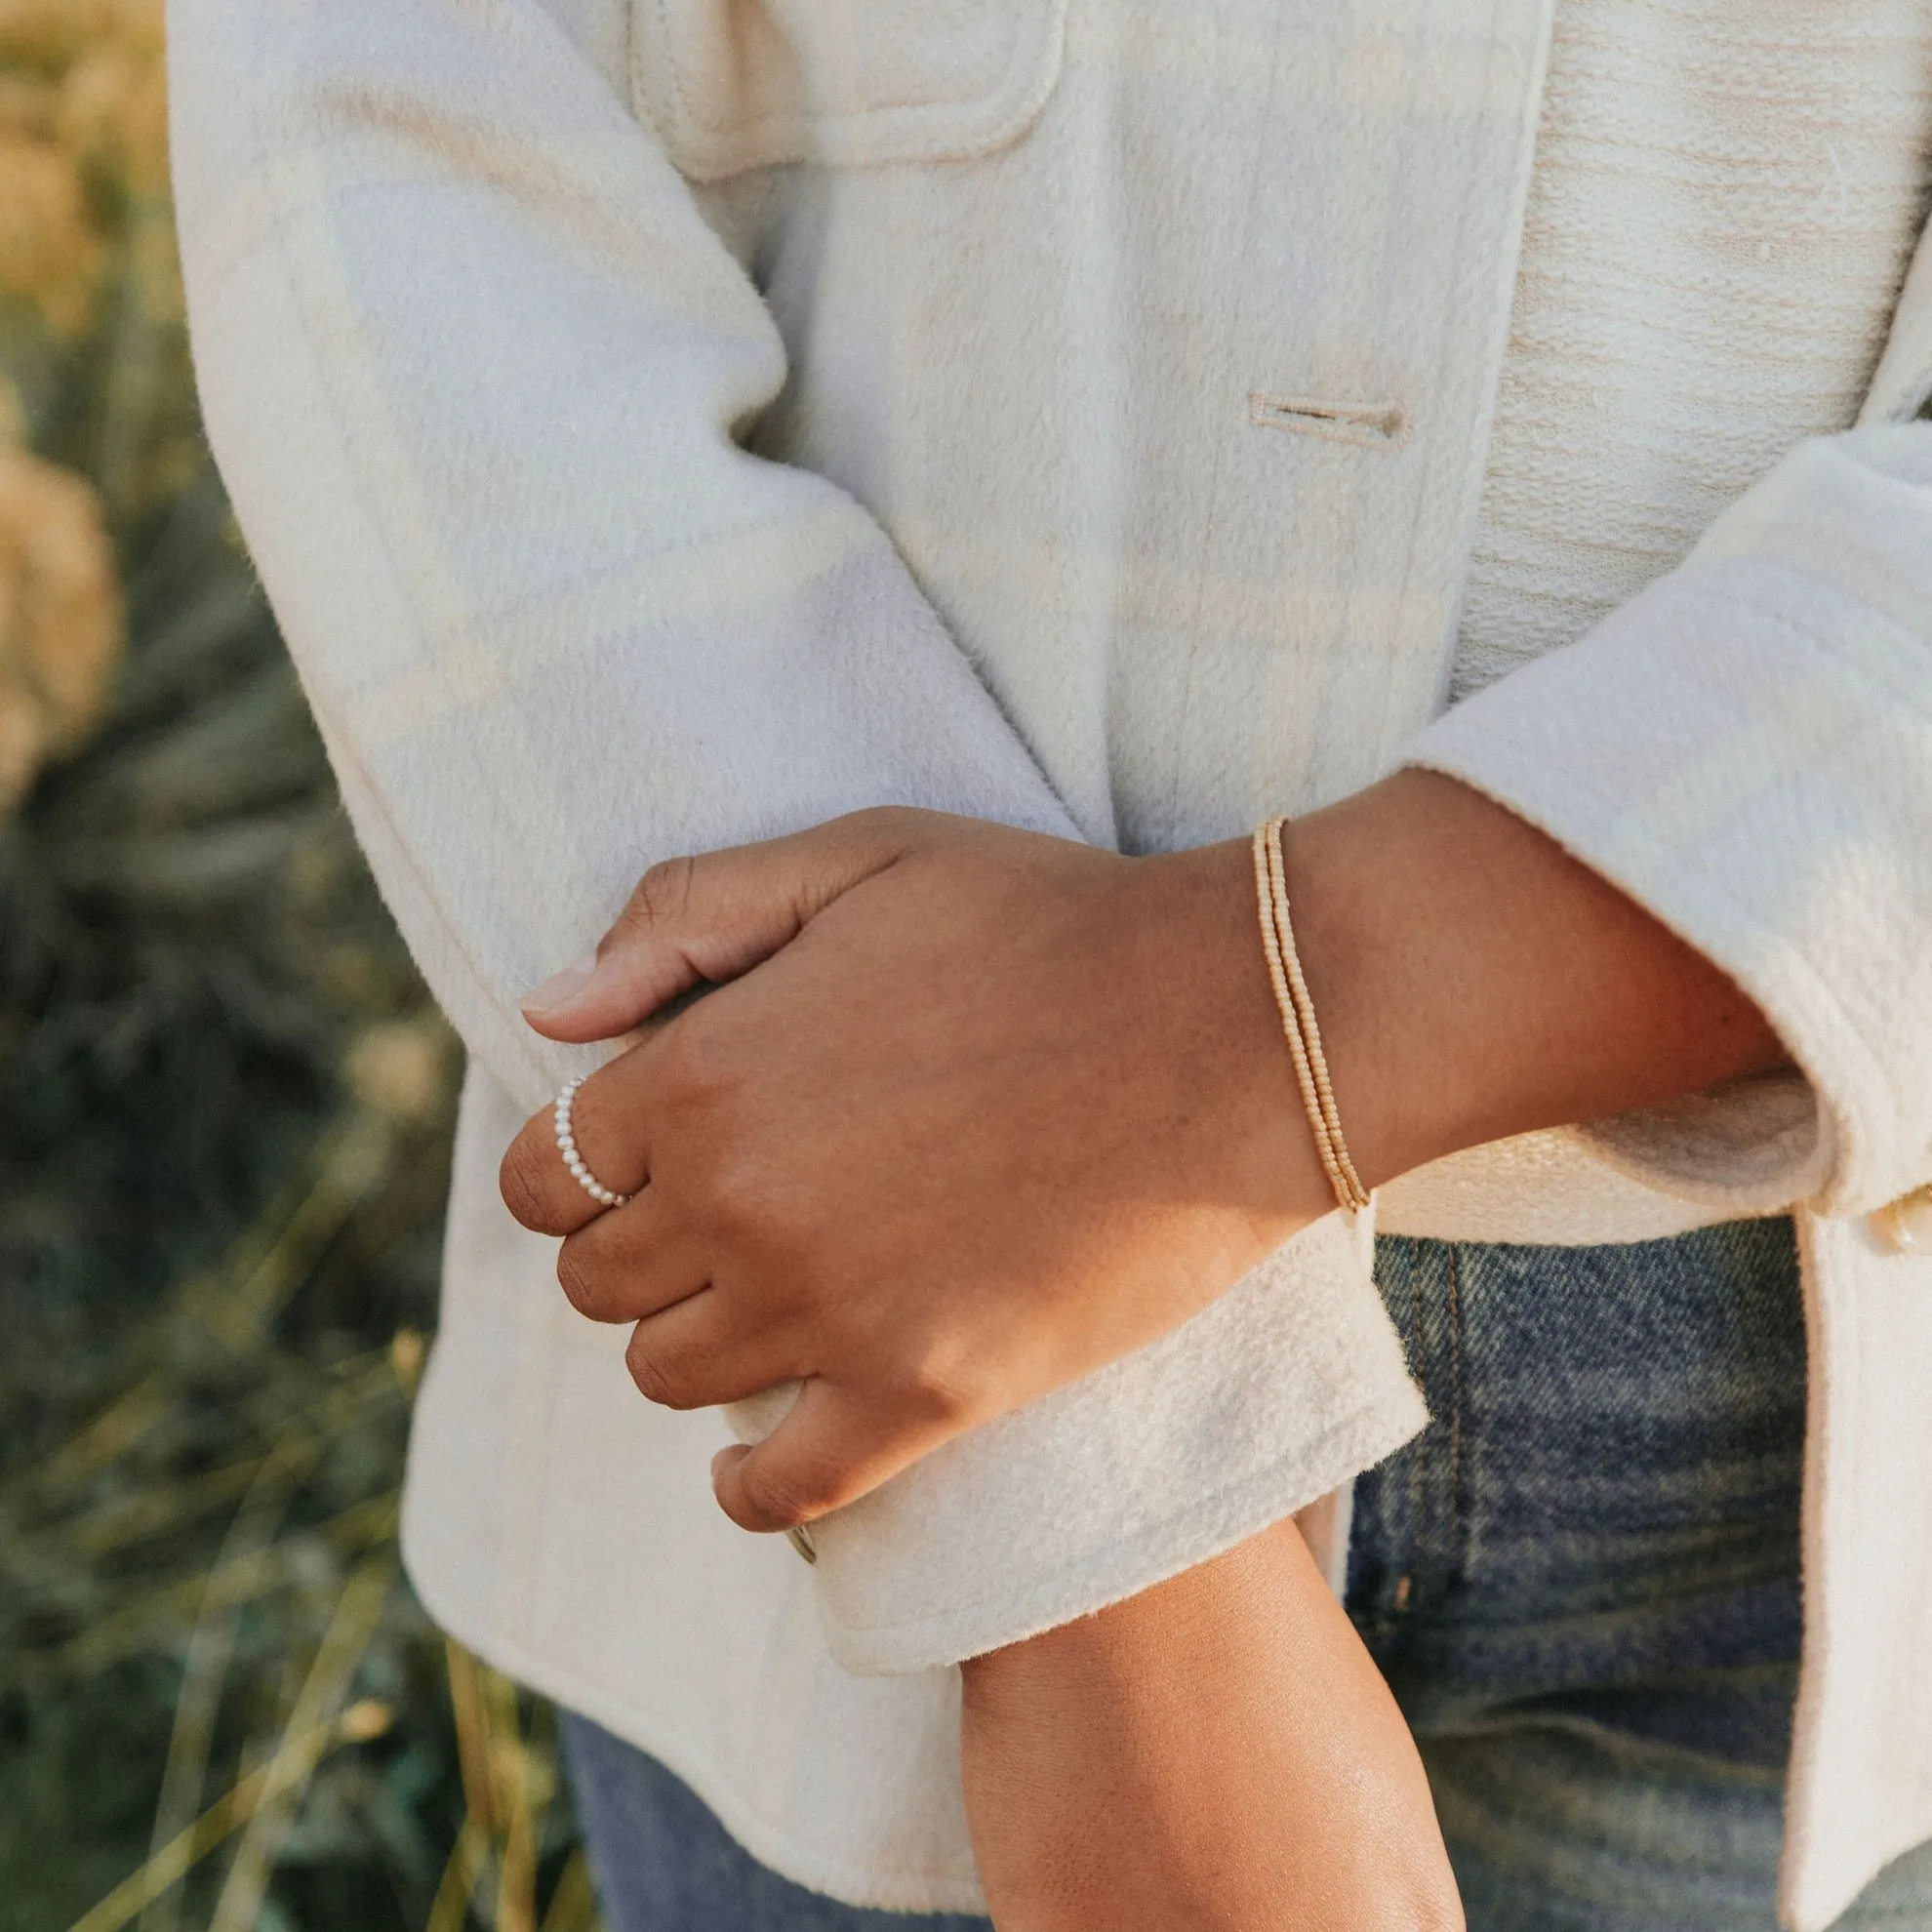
(1745, 750)
(476, 371)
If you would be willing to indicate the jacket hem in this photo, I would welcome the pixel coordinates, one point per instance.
(850, 1882)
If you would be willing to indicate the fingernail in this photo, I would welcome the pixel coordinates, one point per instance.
(561, 987)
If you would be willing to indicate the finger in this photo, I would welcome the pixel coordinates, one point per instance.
(699, 1353)
(828, 1451)
(709, 918)
(606, 1123)
(631, 1262)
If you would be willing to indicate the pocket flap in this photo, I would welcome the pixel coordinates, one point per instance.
(737, 84)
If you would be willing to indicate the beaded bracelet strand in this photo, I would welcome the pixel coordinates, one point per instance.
(1297, 1017)
(1291, 1025)
(1277, 873)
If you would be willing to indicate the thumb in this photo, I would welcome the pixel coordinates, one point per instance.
(705, 919)
(828, 1451)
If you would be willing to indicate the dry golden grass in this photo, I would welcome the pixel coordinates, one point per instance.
(224, 1113)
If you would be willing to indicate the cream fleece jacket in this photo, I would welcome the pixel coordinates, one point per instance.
(661, 426)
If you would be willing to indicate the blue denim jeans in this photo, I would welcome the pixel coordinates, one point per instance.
(1581, 1580)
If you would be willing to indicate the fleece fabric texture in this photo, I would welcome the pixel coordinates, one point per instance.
(665, 424)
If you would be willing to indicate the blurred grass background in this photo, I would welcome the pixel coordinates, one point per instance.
(224, 1117)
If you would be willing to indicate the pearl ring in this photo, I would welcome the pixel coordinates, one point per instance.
(567, 1146)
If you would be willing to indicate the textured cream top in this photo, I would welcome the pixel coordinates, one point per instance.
(1712, 249)
(1723, 196)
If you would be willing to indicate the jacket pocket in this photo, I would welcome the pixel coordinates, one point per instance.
(737, 84)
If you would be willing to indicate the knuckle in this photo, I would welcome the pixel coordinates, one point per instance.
(737, 1203)
(887, 824)
(523, 1181)
(731, 1203)
(937, 1385)
(874, 820)
(654, 1371)
(662, 894)
(580, 1280)
(876, 833)
(688, 1068)
(785, 1496)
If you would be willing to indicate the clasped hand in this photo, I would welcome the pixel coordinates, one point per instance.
(970, 1113)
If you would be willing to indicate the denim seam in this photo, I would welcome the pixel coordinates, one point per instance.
(1418, 1552)
(1457, 1540)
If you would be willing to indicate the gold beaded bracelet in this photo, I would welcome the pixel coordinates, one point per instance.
(1297, 1017)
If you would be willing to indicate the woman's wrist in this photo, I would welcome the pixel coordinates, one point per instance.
(1198, 910)
(1474, 981)
(1471, 980)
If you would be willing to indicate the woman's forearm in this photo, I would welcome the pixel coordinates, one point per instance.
(1247, 1765)
(1219, 1752)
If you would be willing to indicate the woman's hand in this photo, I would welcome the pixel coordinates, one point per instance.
(1218, 1753)
(979, 1110)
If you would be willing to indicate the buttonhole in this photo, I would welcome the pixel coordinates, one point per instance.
(1367, 425)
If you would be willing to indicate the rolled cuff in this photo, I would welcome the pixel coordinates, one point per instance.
(1278, 1392)
(1745, 750)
